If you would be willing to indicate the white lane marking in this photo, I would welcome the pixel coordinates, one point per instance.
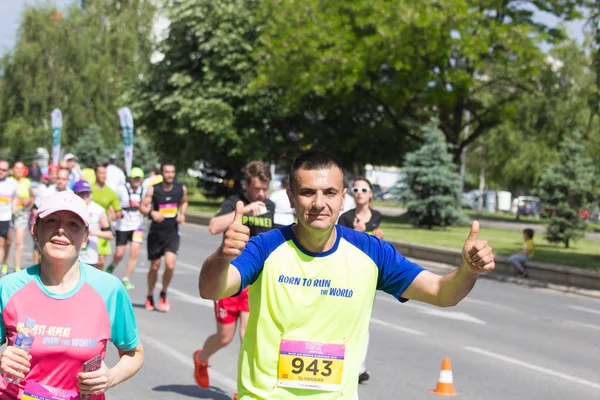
(489, 304)
(438, 312)
(191, 299)
(533, 367)
(187, 361)
(596, 327)
(585, 309)
(396, 327)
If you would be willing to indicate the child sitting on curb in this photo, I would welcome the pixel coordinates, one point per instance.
(517, 260)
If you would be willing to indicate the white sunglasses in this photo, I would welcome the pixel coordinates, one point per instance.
(360, 190)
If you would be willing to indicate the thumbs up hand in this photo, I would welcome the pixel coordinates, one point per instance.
(236, 236)
(477, 253)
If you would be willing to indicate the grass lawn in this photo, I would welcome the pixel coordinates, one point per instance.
(387, 203)
(584, 253)
(197, 203)
(592, 226)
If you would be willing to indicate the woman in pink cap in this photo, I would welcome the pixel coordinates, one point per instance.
(71, 308)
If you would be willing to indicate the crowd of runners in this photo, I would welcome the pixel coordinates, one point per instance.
(295, 275)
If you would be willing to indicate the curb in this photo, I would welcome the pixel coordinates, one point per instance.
(551, 276)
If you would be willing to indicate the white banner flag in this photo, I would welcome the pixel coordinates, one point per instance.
(56, 117)
(127, 131)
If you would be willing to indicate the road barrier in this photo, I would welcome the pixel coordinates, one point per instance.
(538, 271)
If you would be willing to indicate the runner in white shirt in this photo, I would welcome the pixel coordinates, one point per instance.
(284, 213)
(99, 225)
(8, 194)
(115, 177)
(130, 229)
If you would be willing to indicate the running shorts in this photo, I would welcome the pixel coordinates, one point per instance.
(124, 237)
(4, 228)
(104, 247)
(228, 310)
(160, 243)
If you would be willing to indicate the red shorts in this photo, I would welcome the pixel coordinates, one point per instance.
(228, 310)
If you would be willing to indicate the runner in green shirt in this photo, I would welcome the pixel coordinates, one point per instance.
(108, 199)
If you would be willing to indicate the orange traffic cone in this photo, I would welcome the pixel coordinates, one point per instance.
(445, 385)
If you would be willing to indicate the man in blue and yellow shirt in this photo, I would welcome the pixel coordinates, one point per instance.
(313, 287)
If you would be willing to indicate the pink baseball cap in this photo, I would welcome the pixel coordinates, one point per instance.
(64, 201)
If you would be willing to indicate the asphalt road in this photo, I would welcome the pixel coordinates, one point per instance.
(505, 341)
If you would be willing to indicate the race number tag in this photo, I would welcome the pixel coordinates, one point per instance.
(311, 365)
(36, 391)
(168, 210)
(138, 236)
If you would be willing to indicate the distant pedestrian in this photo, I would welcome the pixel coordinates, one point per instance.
(517, 260)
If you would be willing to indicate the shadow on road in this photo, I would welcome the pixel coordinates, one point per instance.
(212, 392)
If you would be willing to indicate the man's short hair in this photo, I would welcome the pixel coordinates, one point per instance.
(314, 160)
(99, 166)
(257, 169)
(166, 163)
(529, 232)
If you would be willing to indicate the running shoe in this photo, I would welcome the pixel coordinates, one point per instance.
(110, 268)
(363, 377)
(4, 269)
(127, 283)
(201, 371)
(150, 303)
(235, 396)
(164, 305)
(17, 269)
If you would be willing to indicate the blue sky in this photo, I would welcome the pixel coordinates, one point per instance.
(10, 17)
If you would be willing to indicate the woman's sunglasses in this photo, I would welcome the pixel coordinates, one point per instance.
(361, 190)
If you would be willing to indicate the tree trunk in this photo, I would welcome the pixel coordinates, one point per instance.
(481, 188)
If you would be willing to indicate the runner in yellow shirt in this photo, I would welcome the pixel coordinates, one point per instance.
(313, 286)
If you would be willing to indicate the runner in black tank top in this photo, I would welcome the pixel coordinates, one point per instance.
(169, 205)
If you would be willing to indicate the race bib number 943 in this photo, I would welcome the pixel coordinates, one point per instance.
(311, 365)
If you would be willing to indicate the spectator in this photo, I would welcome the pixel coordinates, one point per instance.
(518, 260)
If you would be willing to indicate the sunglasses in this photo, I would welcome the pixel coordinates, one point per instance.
(360, 190)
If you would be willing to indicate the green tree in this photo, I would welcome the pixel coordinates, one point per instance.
(84, 63)
(517, 151)
(406, 61)
(566, 188)
(195, 102)
(90, 147)
(432, 182)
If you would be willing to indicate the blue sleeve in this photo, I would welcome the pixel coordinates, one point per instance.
(396, 272)
(250, 263)
(123, 326)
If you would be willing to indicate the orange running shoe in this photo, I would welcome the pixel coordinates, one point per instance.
(235, 396)
(201, 371)
(164, 305)
(150, 303)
